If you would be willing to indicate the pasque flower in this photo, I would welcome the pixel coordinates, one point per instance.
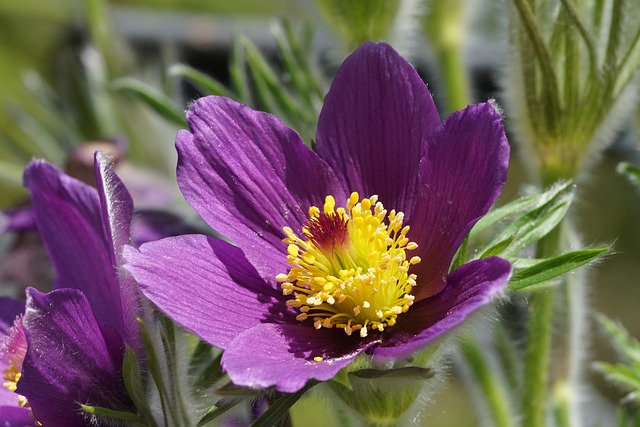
(68, 346)
(336, 251)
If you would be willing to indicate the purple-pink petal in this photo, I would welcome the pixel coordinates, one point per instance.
(69, 218)
(10, 308)
(116, 206)
(248, 175)
(282, 355)
(374, 124)
(68, 361)
(468, 288)
(463, 172)
(15, 416)
(206, 285)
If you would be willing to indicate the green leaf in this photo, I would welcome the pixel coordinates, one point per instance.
(110, 413)
(498, 247)
(519, 205)
(626, 345)
(626, 377)
(153, 364)
(407, 372)
(280, 407)
(158, 101)
(551, 268)
(537, 222)
(632, 172)
(221, 406)
(461, 255)
(230, 389)
(132, 376)
(272, 92)
(203, 82)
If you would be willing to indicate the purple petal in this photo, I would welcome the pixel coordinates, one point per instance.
(248, 175)
(204, 284)
(69, 218)
(282, 355)
(117, 213)
(20, 219)
(68, 361)
(13, 415)
(468, 288)
(463, 172)
(374, 124)
(9, 309)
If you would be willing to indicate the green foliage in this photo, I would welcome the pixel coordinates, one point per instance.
(357, 21)
(625, 374)
(632, 172)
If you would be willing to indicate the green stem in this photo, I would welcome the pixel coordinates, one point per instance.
(455, 78)
(493, 392)
(447, 32)
(538, 354)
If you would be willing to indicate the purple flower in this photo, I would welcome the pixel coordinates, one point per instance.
(336, 251)
(74, 336)
(13, 410)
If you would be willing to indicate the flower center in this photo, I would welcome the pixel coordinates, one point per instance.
(13, 349)
(350, 270)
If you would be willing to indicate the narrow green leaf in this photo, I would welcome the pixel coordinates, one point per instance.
(503, 212)
(271, 90)
(280, 408)
(626, 345)
(221, 406)
(203, 82)
(461, 255)
(230, 389)
(551, 268)
(632, 172)
(153, 365)
(132, 376)
(407, 372)
(497, 248)
(238, 73)
(537, 222)
(110, 413)
(158, 101)
(520, 205)
(622, 375)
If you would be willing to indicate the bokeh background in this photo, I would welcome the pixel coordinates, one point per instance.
(64, 83)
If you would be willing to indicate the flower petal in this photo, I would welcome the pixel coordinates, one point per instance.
(374, 124)
(69, 218)
(9, 309)
(116, 207)
(463, 172)
(68, 361)
(204, 284)
(248, 175)
(282, 355)
(13, 415)
(468, 288)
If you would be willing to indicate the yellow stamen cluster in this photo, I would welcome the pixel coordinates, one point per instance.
(350, 269)
(11, 377)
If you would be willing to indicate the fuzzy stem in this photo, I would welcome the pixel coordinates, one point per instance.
(493, 393)
(445, 26)
(538, 354)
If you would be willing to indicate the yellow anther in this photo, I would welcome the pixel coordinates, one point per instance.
(329, 204)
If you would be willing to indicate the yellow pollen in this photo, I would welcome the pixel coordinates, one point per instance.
(349, 267)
